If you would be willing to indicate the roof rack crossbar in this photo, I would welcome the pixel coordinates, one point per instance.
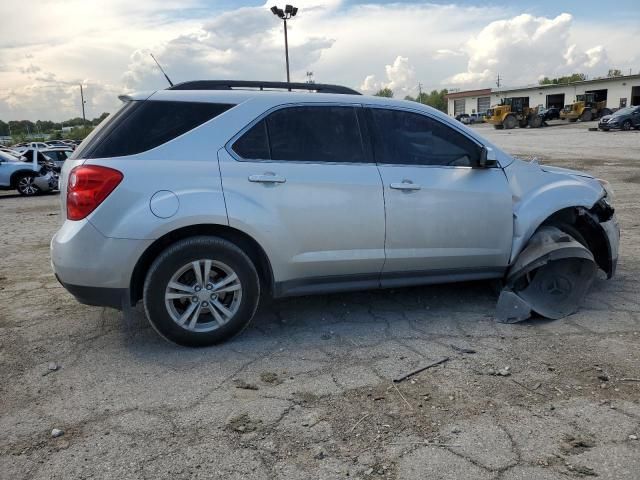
(231, 84)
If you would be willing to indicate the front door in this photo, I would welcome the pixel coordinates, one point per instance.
(300, 182)
(443, 217)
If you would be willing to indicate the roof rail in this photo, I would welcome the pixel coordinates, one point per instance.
(231, 84)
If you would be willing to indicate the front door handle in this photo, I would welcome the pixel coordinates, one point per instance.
(405, 185)
(267, 178)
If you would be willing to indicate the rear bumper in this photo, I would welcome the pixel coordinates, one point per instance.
(98, 296)
(82, 258)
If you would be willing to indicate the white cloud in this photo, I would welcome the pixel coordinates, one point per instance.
(401, 78)
(524, 48)
(105, 44)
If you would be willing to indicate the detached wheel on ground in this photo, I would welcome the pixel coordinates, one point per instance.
(26, 186)
(201, 291)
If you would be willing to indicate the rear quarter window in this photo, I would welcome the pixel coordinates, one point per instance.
(142, 125)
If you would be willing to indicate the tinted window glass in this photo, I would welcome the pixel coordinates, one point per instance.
(315, 134)
(412, 139)
(254, 144)
(143, 125)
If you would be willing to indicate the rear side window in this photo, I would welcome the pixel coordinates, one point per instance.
(309, 133)
(142, 125)
(407, 138)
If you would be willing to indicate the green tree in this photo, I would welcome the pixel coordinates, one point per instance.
(436, 99)
(574, 77)
(96, 121)
(614, 72)
(385, 92)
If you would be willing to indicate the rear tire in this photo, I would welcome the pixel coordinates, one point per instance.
(26, 186)
(535, 122)
(586, 116)
(510, 122)
(201, 291)
(626, 125)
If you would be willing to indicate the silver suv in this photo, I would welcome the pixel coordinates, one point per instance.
(200, 199)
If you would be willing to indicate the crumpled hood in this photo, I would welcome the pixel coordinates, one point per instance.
(565, 171)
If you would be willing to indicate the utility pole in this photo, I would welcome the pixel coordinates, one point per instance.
(84, 119)
(419, 92)
(498, 81)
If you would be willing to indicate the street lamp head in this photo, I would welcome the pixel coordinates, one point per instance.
(288, 9)
(294, 11)
(274, 10)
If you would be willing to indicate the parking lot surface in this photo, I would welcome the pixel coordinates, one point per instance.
(306, 391)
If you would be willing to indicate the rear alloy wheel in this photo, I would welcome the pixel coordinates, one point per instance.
(201, 291)
(26, 186)
(626, 125)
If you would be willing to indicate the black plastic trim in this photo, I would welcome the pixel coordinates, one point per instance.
(231, 84)
(371, 281)
(98, 296)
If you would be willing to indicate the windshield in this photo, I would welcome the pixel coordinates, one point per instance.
(625, 111)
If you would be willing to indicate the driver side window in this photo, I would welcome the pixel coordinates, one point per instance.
(407, 138)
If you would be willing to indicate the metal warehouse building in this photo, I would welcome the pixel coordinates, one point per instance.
(618, 92)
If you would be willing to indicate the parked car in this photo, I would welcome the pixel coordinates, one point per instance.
(623, 119)
(23, 147)
(476, 118)
(464, 118)
(201, 199)
(57, 155)
(551, 113)
(27, 178)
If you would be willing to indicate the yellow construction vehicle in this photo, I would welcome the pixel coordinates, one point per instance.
(512, 112)
(585, 108)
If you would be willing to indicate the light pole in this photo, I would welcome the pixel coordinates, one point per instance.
(84, 119)
(286, 14)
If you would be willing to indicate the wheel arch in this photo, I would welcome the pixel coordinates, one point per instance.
(247, 243)
(13, 180)
(587, 223)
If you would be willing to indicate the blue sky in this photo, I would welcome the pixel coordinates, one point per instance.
(105, 45)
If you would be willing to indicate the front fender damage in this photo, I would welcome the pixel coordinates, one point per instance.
(550, 277)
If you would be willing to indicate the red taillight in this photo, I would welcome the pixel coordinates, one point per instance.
(88, 186)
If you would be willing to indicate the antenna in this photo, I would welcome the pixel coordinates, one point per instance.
(162, 70)
(498, 81)
(420, 92)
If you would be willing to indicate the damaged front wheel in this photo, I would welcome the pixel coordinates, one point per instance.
(550, 277)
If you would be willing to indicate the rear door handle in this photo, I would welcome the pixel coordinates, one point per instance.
(405, 185)
(267, 178)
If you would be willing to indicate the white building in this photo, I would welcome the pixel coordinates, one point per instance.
(618, 92)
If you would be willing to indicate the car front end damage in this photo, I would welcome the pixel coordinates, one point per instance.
(552, 273)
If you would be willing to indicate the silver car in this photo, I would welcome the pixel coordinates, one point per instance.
(200, 199)
(28, 178)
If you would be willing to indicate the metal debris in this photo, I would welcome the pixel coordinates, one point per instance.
(550, 277)
(433, 364)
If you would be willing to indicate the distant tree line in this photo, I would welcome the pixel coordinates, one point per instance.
(436, 99)
(576, 77)
(22, 128)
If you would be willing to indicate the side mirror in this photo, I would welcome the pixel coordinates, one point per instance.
(487, 158)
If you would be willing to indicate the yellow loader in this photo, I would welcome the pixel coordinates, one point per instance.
(585, 108)
(513, 112)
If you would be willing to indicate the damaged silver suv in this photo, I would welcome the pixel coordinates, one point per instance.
(200, 199)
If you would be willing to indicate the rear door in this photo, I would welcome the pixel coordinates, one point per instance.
(301, 181)
(442, 215)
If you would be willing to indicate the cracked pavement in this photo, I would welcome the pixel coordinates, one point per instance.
(306, 391)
